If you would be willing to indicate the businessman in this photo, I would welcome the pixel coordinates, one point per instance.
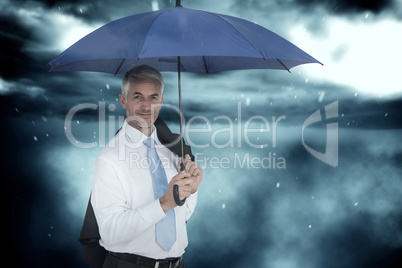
(140, 224)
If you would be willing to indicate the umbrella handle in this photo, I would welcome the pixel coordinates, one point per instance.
(176, 190)
(176, 196)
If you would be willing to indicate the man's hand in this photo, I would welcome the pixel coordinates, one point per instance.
(188, 182)
(183, 180)
(196, 173)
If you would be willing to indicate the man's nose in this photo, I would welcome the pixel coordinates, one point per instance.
(146, 104)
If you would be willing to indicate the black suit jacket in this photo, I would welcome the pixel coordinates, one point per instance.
(94, 254)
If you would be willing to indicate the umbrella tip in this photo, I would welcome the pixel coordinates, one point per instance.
(178, 3)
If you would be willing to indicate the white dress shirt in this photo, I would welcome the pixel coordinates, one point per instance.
(123, 198)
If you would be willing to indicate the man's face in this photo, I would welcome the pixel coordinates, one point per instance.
(143, 102)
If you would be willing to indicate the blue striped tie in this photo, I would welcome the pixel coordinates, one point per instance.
(165, 229)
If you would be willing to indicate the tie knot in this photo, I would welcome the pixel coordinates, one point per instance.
(149, 142)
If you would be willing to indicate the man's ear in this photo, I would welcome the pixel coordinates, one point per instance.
(123, 100)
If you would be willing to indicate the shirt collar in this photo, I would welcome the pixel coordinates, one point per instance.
(136, 136)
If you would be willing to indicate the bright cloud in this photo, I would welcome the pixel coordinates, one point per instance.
(71, 30)
(22, 87)
(361, 53)
(54, 29)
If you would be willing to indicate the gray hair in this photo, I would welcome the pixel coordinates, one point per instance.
(141, 73)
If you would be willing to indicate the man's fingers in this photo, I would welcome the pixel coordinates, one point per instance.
(184, 192)
(181, 175)
(184, 182)
(195, 170)
(190, 167)
(181, 179)
(184, 174)
(184, 186)
(187, 158)
(198, 171)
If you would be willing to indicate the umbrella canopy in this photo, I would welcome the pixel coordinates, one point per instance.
(206, 42)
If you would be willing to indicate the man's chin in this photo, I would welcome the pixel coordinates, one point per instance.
(142, 124)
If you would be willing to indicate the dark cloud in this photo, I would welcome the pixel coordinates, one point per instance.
(344, 6)
(54, 3)
(102, 11)
(364, 248)
(13, 37)
(35, 228)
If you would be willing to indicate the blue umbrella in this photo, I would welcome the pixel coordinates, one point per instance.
(205, 42)
(183, 40)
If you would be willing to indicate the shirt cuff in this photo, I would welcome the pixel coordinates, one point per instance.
(152, 212)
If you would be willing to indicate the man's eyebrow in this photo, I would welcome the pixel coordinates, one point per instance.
(139, 93)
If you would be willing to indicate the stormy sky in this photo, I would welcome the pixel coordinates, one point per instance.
(266, 200)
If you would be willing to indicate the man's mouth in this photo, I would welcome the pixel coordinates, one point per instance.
(144, 114)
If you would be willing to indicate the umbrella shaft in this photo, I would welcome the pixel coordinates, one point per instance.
(180, 108)
(182, 165)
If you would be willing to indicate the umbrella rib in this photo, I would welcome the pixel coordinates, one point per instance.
(205, 65)
(150, 25)
(118, 69)
(251, 43)
(283, 65)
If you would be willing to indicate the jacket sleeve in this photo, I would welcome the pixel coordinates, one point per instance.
(171, 140)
